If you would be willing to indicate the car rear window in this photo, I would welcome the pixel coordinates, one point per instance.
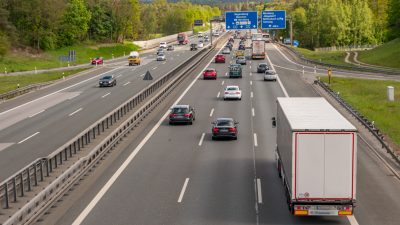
(210, 70)
(180, 110)
(262, 65)
(225, 123)
(232, 88)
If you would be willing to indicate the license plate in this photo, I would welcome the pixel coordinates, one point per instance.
(179, 117)
(323, 212)
(224, 130)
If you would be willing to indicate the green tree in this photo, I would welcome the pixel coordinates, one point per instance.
(394, 18)
(75, 23)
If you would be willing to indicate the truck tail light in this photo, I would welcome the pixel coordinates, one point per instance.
(300, 210)
(345, 211)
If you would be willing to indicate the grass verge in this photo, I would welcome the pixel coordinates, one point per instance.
(387, 55)
(21, 61)
(10, 83)
(334, 57)
(369, 98)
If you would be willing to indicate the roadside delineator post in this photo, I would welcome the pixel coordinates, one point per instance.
(329, 75)
(390, 93)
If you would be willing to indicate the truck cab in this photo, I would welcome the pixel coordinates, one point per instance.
(134, 58)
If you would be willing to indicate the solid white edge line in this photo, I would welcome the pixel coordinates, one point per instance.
(115, 176)
(71, 114)
(219, 93)
(253, 112)
(259, 194)
(212, 111)
(255, 140)
(29, 137)
(63, 89)
(352, 220)
(106, 95)
(279, 80)
(183, 190)
(36, 113)
(201, 139)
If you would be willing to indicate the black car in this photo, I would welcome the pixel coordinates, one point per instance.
(107, 81)
(224, 128)
(231, 40)
(242, 47)
(182, 114)
(193, 47)
(170, 48)
(262, 67)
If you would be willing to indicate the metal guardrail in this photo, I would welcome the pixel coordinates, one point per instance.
(23, 90)
(369, 125)
(36, 172)
(353, 68)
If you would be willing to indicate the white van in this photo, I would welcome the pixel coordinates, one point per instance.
(163, 44)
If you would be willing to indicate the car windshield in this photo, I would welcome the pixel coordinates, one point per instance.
(225, 123)
(232, 88)
(161, 54)
(180, 110)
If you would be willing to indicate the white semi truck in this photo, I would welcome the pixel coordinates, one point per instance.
(258, 49)
(316, 157)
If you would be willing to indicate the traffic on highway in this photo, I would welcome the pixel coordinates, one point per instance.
(236, 133)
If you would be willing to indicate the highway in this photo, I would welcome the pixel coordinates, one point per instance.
(36, 124)
(178, 175)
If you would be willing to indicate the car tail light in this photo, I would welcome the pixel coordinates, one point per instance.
(232, 129)
(238, 92)
(187, 114)
(215, 130)
(226, 92)
(172, 115)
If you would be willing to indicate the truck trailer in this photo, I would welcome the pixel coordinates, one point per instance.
(258, 49)
(183, 38)
(316, 157)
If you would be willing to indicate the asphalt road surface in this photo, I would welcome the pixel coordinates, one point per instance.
(177, 175)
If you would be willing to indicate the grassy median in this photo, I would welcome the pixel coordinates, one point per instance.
(369, 97)
(387, 55)
(9, 83)
(24, 61)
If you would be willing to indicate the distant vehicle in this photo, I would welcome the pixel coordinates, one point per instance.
(229, 45)
(163, 44)
(239, 53)
(258, 49)
(97, 61)
(210, 73)
(161, 57)
(206, 39)
(170, 48)
(226, 50)
(235, 70)
(200, 34)
(183, 38)
(200, 45)
(224, 128)
(241, 60)
(216, 34)
(182, 114)
(134, 58)
(266, 37)
(316, 155)
(256, 37)
(159, 51)
(287, 41)
(232, 92)
(219, 58)
(242, 47)
(270, 75)
(231, 40)
(107, 81)
(262, 67)
(193, 47)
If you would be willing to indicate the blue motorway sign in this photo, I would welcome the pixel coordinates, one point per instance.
(273, 19)
(241, 20)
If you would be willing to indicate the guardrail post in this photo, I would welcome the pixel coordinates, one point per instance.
(35, 176)
(21, 184)
(98, 129)
(61, 160)
(102, 126)
(48, 167)
(94, 133)
(29, 179)
(55, 161)
(6, 195)
(41, 171)
(88, 136)
(66, 152)
(15, 190)
(75, 146)
(70, 150)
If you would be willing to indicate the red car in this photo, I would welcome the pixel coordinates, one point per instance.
(98, 60)
(219, 58)
(210, 74)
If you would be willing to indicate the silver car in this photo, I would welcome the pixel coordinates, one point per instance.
(270, 75)
(241, 60)
(161, 57)
(226, 51)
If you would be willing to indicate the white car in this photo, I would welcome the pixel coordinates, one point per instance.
(270, 75)
(163, 44)
(232, 92)
(226, 51)
(200, 45)
(161, 57)
(200, 34)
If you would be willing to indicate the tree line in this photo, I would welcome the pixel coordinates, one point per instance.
(51, 24)
(322, 23)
